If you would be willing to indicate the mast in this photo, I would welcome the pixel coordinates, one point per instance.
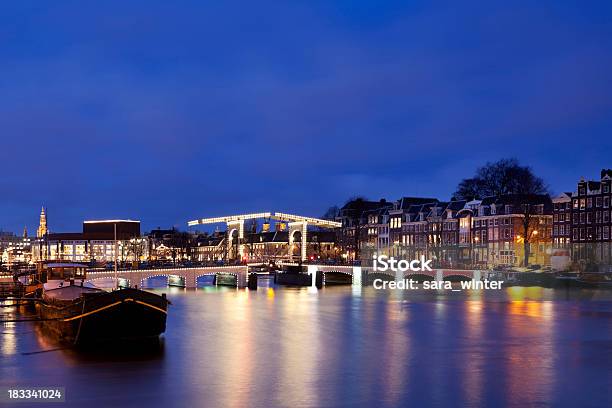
(115, 231)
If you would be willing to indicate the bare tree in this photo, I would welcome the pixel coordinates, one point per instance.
(505, 176)
(532, 229)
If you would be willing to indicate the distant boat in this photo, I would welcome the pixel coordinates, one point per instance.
(596, 279)
(80, 314)
(584, 280)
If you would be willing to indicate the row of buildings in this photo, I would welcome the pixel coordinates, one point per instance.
(571, 230)
(102, 241)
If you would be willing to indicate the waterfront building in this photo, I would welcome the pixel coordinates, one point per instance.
(562, 219)
(591, 221)
(398, 217)
(170, 244)
(6, 239)
(352, 236)
(504, 223)
(210, 247)
(479, 233)
(96, 243)
(465, 237)
(378, 228)
(15, 250)
(415, 239)
(561, 234)
(432, 230)
(446, 219)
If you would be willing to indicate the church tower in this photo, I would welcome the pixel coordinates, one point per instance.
(42, 227)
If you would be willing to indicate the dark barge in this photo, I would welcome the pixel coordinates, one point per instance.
(81, 314)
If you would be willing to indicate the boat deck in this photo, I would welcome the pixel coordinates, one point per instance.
(69, 292)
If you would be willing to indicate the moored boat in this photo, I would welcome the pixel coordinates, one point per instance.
(596, 279)
(78, 313)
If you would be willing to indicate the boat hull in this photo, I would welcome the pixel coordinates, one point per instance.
(126, 314)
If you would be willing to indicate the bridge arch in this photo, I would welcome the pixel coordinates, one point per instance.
(93, 280)
(157, 275)
(335, 277)
(372, 276)
(420, 276)
(457, 277)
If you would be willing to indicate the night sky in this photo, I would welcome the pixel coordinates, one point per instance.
(166, 111)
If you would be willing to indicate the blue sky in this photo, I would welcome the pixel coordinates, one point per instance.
(169, 111)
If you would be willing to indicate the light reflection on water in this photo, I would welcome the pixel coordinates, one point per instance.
(341, 346)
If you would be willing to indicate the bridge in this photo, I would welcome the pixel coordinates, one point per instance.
(297, 228)
(434, 274)
(309, 275)
(187, 277)
(325, 275)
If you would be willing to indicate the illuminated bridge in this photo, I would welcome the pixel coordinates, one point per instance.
(187, 277)
(297, 229)
(309, 275)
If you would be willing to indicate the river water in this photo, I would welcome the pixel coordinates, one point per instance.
(341, 346)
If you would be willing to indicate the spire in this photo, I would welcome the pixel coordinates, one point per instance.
(25, 232)
(42, 226)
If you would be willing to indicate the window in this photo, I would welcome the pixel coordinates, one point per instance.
(606, 216)
(606, 188)
(556, 230)
(606, 232)
(598, 202)
(582, 218)
(575, 234)
(582, 203)
(590, 202)
(589, 218)
(555, 218)
(606, 202)
(575, 203)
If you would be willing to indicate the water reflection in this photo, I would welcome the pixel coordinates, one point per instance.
(9, 339)
(529, 357)
(472, 373)
(339, 347)
(299, 348)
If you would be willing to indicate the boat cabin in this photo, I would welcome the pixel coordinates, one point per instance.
(59, 274)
